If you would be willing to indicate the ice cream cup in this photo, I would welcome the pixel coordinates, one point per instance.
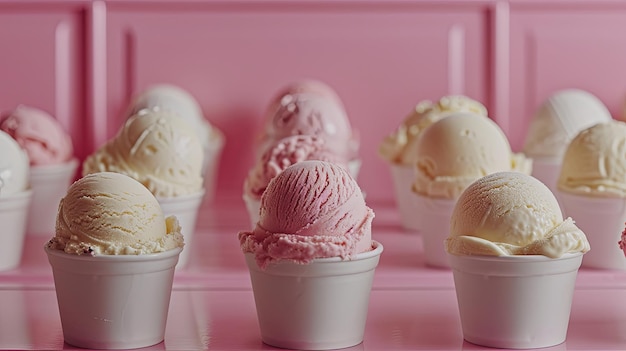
(49, 184)
(518, 302)
(403, 177)
(185, 208)
(434, 217)
(113, 301)
(547, 170)
(318, 306)
(354, 166)
(210, 164)
(13, 217)
(253, 206)
(602, 220)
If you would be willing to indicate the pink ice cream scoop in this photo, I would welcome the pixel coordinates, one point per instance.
(37, 132)
(283, 154)
(622, 242)
(312, 114)
(312, 209)
(304, 86)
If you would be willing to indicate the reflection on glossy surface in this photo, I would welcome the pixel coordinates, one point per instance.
(412, 307)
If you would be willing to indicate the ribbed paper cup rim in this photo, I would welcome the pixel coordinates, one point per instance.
(114, 258)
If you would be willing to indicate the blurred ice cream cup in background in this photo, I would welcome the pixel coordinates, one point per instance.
(310, 107)
(174, 99)
(450, 155)
(399, 148)
(555, 123)
(52, 162)
(15, 197)
(592, 187)
(162, 152)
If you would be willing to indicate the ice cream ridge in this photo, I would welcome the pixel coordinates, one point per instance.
(312, 209)
(510, 213)
(157, 148)
(110, 213)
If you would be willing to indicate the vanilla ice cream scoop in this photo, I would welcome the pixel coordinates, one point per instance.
(157, 148)
(112, 214)
(312, 209)
(176, 100)
(511, 213)
(456, 150)
(399, 146)
(14, 166)
(595, 162)
(559, 119)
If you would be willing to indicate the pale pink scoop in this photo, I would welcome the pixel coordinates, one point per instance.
(313, 209)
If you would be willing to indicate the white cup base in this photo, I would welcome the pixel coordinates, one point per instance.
(403, 177)
(434, 218)
(185, 208)
(13, 217)
(113, 301)
(602, 220)
(318, 306)
(49, 184)
(519, 302)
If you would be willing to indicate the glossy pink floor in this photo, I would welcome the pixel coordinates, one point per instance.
(412, 307)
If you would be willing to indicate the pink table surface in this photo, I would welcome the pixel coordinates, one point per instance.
(412, 307)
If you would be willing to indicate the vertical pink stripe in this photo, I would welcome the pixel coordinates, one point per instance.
(500, 74)
(456, 60)
(62, 74)
(131, 69)
(97, 74)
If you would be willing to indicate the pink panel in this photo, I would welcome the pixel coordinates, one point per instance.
(556, 48)
(42, 63)
(381, 59)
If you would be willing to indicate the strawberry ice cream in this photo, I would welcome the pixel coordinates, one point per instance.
(310, 108)
(283, 154)
(37, 132)
(313, 209)
(304, 86)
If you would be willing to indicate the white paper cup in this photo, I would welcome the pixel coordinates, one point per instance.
(434, 218)
(113, 301)
(518, 302)
(602, 220)
(210, 164)
(49, 184)
(403, 178)
(547, 170)
(354, 166)
(185, 208)
(253, 206)
(318, 306)
(13, 217)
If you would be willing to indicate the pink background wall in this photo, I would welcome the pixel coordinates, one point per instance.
(82, 60)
